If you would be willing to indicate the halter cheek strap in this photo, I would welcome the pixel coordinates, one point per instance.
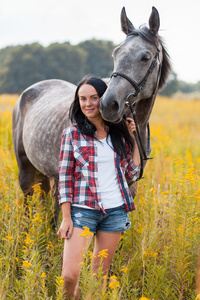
(144, 155)
(139, 87)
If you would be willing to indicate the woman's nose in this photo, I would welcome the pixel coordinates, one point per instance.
(88, 103)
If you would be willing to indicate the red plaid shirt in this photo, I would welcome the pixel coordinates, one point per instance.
(78, 171)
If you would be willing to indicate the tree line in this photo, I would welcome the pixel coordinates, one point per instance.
(24, 65)
(174, 85)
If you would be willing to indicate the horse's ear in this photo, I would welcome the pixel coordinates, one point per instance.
(126, 24)
(154, 21)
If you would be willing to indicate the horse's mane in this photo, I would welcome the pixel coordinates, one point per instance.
(145, 33)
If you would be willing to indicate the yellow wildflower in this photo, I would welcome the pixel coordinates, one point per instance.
(124, 269)
(156, 201)
(6, 207)
(9, 237)
(86, 232)
(180, 229)
(50, 245)
(153, 190)
(114, 284)
(103, 253)
(43, 275)
(59, 281)
(140, 228)
(28, 239)
(26, 264)
(91, 255)
(37, 188)
(144, 298)
(142, 200)
(165, 193)
(150, 254)
(37, 218)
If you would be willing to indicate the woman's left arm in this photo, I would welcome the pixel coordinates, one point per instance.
(131, 127)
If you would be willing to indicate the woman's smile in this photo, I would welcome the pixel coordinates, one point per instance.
(89, 101)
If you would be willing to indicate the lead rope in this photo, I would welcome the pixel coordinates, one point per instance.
(142, 153)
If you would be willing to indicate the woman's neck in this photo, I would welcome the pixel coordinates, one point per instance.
(100, 128)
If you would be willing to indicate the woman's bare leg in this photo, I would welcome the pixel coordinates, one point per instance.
(72, 257)
(104, 240)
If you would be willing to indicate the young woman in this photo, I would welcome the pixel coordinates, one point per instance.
(96, 158)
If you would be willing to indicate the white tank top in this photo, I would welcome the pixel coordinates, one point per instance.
(107, 177)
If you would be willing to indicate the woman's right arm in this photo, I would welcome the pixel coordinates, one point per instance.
(66, 227)
(66, 168)
(66, 175)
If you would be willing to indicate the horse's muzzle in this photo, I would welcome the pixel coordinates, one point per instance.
(110, 111)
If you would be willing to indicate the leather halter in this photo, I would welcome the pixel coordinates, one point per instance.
(138, 87)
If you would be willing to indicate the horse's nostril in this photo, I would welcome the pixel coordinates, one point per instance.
(114, 106)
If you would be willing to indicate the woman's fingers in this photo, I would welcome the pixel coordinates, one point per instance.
(69, 234)
(131, 125)
(65, 230)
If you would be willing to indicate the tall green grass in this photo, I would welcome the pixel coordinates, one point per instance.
(156, 258)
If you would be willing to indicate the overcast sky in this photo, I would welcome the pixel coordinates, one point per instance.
(48, 21)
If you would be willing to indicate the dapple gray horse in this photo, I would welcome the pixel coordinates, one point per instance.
(41, 112)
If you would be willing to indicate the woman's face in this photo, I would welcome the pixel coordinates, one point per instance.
(89, 102)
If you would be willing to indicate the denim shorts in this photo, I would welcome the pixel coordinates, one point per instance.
(114, 220)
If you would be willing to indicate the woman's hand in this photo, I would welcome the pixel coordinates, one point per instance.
(131, 126)
(66, 228)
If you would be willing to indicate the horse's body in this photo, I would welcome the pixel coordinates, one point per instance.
(41, 113)
(39, 117)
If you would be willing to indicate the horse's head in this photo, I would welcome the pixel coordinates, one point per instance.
(141, 67)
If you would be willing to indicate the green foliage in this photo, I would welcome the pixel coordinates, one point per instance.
(174, 85)
(99, 61)
(22, 66)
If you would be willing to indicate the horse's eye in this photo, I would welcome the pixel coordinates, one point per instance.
(145, 57)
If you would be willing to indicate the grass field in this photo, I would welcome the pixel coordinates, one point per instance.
(156, 258)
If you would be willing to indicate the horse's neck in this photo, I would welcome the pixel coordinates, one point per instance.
(143, 110)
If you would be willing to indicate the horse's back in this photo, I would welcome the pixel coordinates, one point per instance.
(41, 90)
(39, 117)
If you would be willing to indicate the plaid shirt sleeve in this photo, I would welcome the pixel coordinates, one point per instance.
(66, 167)
(132, 170)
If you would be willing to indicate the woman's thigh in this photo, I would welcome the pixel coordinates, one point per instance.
(108, 241)
(73, 252)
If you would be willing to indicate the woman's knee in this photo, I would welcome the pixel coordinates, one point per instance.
(70, 277)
